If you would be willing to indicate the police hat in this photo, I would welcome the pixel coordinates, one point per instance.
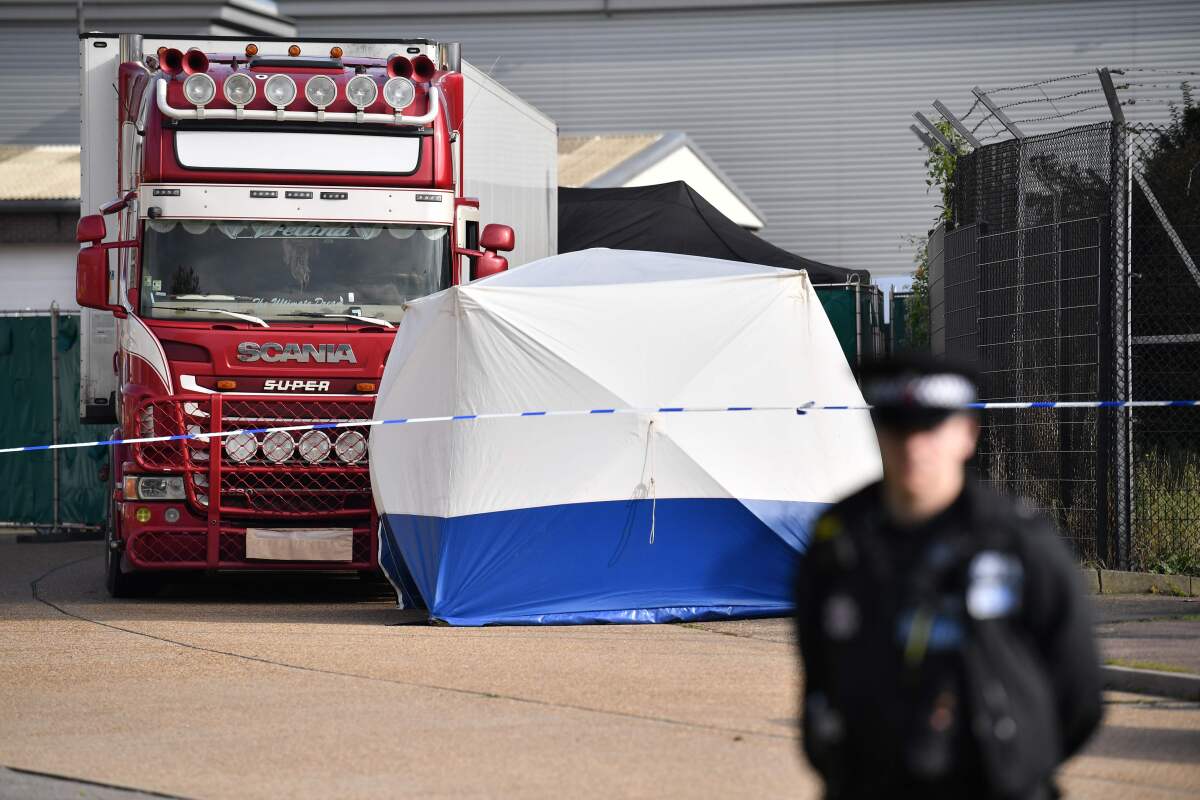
(915, 391)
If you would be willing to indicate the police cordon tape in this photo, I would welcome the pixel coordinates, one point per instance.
(798, 409)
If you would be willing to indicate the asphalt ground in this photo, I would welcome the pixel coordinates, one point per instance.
(253, 686)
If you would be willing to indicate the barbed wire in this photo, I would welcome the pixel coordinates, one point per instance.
(1043, 82)
(1138, 81)
(1016, 103)
(1062, 114)
(1168, 84)
(1161, 70)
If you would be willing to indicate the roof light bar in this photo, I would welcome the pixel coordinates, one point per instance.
(433, 98)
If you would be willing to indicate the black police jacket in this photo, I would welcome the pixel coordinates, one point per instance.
(955, 659)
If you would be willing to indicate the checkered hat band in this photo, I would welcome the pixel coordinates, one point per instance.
(925, 391)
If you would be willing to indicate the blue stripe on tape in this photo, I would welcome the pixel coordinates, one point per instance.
(799, 410)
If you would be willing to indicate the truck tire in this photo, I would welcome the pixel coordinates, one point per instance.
(122, 584)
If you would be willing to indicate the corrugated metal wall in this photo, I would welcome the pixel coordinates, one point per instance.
(40, 90)
(806, 106)
(39, 52)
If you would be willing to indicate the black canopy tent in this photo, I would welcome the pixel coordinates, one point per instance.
(672, 218)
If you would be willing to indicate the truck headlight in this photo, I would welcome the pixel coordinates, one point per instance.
(240, 447)
(280, 90)
(160, 487)
(399, 92)
(350, 447)
(314, 447)
(361, 91)
(239, 89)
(278, 446)
(200, 89)
(320, 91)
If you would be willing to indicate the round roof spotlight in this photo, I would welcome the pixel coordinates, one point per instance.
(239, 89)
(314, 447)
(350, 447)
(240, 447)
(335, 52)
(361, 91)
(280, 90)
(251, 50)
(278, 446)
(320, 90)
(200, 89)
(294, 50)
(399, 92)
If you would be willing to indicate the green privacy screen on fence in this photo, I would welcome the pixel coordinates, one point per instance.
(26, 417)
(838, 302)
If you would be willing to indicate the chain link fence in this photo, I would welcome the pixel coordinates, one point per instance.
(1068, 273)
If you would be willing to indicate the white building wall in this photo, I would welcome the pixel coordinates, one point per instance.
(34, 275)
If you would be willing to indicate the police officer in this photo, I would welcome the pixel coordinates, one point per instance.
(946, 642)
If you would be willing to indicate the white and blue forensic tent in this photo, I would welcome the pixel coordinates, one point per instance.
(646, 516)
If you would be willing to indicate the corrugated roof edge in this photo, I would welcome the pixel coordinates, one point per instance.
(667, 144)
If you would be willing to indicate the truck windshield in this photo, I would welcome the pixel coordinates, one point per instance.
(275, 270)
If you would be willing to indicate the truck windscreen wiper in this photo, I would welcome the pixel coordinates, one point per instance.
(374, 320)
(238, 315)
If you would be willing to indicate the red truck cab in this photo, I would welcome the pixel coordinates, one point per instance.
(274, 210)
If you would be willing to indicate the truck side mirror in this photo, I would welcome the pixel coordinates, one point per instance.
(497, 238)
(91, 278)
(494, 238)
(91, 229)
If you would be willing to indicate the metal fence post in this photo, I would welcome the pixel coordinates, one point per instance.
(858, 337)
(55, 419)
(1106, 364)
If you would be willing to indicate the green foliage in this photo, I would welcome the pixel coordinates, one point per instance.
(918, 305)
(939, 170)
(940, 164)
(1166, 528)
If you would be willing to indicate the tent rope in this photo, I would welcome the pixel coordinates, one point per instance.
(653, 488)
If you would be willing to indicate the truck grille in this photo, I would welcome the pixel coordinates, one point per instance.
(151, 548)
(281, 474)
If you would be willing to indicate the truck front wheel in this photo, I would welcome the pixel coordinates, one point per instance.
(122, 584)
